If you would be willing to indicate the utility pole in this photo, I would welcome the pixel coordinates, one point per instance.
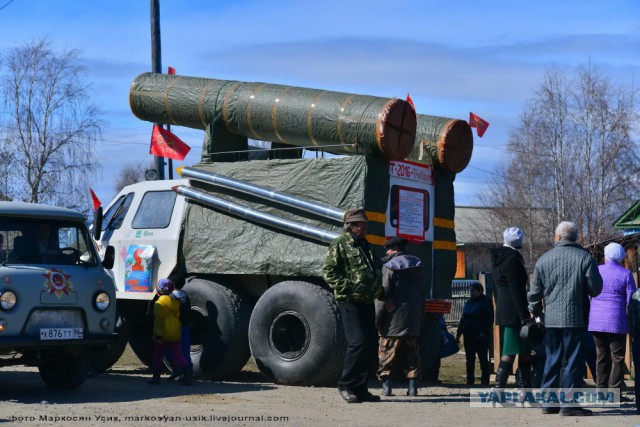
(156, 65)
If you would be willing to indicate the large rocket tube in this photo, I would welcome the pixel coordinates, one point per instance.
(245, 187)
(293, 227)
(443, 141)
(286, 114)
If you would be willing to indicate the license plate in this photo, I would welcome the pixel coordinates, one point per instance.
(61, 333)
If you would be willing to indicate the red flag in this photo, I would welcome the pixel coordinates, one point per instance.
(478, 123)
(166, 144)
(410, 101)
(96, 201)
(172, 70)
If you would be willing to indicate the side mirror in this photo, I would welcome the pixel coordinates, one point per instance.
(97, 223)
(109, 258)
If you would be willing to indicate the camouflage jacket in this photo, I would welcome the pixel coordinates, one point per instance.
(352, 271)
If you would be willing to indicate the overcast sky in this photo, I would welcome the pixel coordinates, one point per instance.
(453, 57)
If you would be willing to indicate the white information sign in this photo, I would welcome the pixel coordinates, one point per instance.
(410, 208)
(412, 216)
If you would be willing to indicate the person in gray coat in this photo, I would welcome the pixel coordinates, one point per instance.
(563, 279)
(399, 317)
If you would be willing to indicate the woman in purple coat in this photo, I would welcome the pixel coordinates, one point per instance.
(608, 317)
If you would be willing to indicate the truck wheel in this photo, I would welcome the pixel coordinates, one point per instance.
(141, 341)
(104, 359)
(219, 327)
(66, 373)
(296, 336)
(430, 338)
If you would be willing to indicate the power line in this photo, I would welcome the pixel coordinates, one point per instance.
(6, 4)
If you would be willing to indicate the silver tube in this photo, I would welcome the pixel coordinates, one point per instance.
(323, 236)
(321, 209)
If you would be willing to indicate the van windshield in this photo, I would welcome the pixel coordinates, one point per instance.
(45, 241)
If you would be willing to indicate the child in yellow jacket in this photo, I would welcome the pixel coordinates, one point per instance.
(166, 332)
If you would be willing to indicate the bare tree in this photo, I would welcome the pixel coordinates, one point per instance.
(572, 155)
(129, 174)
(52, 125)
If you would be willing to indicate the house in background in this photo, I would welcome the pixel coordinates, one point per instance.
(629, 225)
(479, 230)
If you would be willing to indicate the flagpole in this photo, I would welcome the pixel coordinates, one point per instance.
(170, 159)
(156, 65)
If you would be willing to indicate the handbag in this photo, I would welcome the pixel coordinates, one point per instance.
(449, 345)
(532, 331)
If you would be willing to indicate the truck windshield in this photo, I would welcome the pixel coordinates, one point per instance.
(45, 241)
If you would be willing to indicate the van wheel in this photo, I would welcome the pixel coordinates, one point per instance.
(296, 335)
(219, 327)
(104, 359)
(65, 373)
(141, 340)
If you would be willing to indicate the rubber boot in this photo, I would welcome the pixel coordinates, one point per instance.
(386, 386)
(502, 374)
(471, 375)
(525, 374)
(484, 380)
(412, 390)
(175, 374)
(188, 375)
(156, 377)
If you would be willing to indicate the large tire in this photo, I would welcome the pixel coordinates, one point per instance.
(65, 373)
(141, 340)
(104, 359)
(219, 328)
(296, 335)
(430, 340)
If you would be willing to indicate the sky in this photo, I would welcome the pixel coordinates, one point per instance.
(452, 57)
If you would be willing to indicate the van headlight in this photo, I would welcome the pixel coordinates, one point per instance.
(7, 300)
(102, 301)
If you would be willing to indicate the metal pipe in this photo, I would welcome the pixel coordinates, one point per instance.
(314, 233)
(321, 209)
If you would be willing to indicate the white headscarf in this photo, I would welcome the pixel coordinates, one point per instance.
(513, 237)
(614, 252)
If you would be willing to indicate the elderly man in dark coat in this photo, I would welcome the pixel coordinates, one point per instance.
(398, 318)
(563, 279)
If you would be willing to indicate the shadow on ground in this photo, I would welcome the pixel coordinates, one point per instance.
(126, 384)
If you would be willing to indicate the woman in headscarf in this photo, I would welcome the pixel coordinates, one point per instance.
(510, 289)
(608, 317)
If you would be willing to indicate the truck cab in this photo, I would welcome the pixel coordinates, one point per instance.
(57, 301)
(143, 224)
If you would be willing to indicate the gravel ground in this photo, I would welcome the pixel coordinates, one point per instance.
(122, 397)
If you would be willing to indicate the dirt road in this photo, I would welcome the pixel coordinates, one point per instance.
(122, 397)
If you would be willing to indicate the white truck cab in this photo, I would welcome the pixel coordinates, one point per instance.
(57, 302)
(143, 224)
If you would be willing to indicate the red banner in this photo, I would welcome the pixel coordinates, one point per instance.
(410, 101)
(478, 123)
(96, 201)
(166, 144)
(172, 70)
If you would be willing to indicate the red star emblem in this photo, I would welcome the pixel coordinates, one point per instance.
(57, 282)
(6, 279)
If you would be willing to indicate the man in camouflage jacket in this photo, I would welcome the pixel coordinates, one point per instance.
(353, 273)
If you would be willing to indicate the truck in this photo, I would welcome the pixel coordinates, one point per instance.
(57, 300)
(250, 235)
